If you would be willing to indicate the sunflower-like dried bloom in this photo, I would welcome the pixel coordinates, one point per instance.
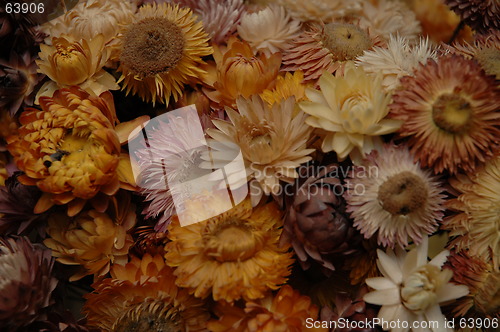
(160, 51)
(288, 85)
(485, 50)
(272, 140)
(18, 78)
(67, 62)
(71, 150)
(26, 283)
(480, 15)
(17, 203)
(349, 307)
(241, 73)
(437, 20)
(90, 18)
(391, 197)
(92, 239)
(387, 17)
(397, 60)
(231, 256)
(327, 48)
(477, 222)
(483, 300)
(270, 30)
(450, 112)
(316, 222)
(352, 109)
(412, 289)
(287, 311)
(142, 296)
(321, 10)
(220, 18)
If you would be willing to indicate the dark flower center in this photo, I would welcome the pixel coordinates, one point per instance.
(403, 193)
(152, 46)
(489, 59)
(452, 113)
(345, 41)
(154, 317)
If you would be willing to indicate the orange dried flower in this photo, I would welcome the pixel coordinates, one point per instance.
(285, 312)
(71, 150)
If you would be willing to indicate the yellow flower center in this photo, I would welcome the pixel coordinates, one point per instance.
(154, 317)
(403, 193)
(345, 41)
(452, 113)
(418, 292)
(152, 46)
(232, 240)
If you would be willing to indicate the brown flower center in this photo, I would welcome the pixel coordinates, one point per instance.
(403, 193)
(232, 241)
(452, 113)
(345, 41)
(489, 59)
(152, 46)
(151, 316)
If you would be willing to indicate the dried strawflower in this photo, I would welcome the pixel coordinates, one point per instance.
(241, 73)
(480, 15)
(391, 197)
(67, 62)
(327, 48)
(18, 78)
(92, 239)
(231, 256)
(485, 50)
(171, 156)
(397, 60)
(364, 264)
(316, 222)
(483, 281)
(26, 283)
(269, 30)
(273, 140)
(477, 221)
(289, 85)
(322, 10)
(220, 18)
(71, 150)
(287, 311)
(450, 113)
(17, 203)
(437, 20)
(90, 18)
(142, 296)
(352, 110)
(412, 288)
(160, 51)
(388, 17)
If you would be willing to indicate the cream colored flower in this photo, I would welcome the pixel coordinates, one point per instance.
(269, 30)
(272, 140)
(412, 288)
(388, 17)
(91, 18)
(68, 62)
(321, 10)
(352, 110)
(397, 60)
